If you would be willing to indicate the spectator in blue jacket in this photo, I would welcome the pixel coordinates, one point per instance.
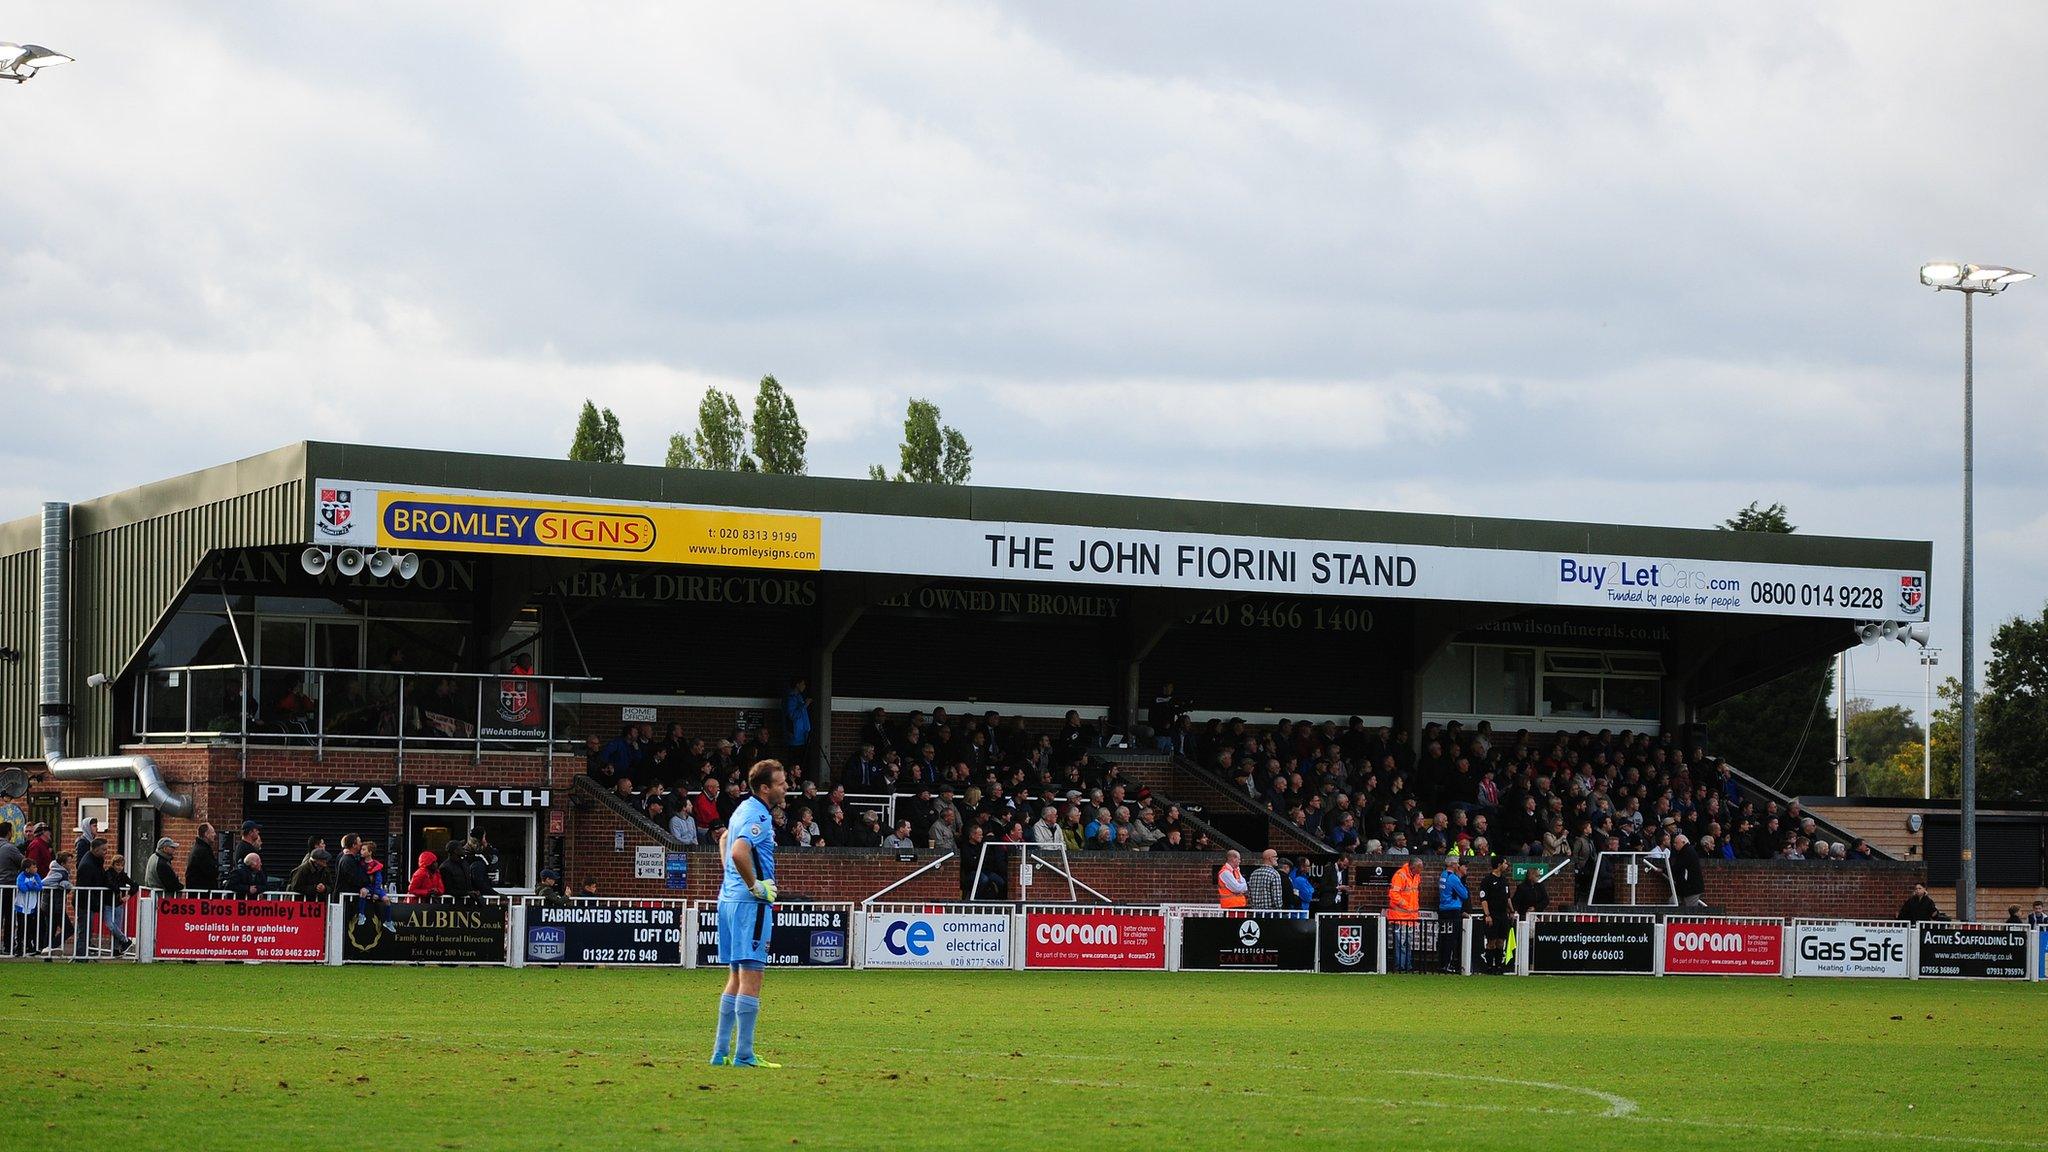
(1298, 879)
(1451, 898)
(796, 718)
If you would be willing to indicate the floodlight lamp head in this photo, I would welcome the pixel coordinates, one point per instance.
(20, 62)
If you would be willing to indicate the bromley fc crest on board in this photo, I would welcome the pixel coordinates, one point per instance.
(335, 513)
(1912, 594)
(516, 704)
(1350, 944)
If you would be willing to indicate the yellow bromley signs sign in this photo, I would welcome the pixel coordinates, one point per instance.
(473, 522)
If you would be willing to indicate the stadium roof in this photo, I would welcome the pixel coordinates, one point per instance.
(300, 464)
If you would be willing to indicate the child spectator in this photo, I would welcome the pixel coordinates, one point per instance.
(426, 879)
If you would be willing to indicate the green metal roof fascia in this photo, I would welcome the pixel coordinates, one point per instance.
(164, 497)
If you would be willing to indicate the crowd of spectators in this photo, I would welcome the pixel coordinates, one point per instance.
(946, 779)
(1475, 792)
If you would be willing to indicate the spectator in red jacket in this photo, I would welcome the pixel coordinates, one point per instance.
(705, 808)
(426, 879)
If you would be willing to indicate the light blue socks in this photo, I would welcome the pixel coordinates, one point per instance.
(727, 1009)
(746, 1010)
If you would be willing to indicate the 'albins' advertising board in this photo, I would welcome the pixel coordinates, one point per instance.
(605, 932)
(432, 933)
(804, 936)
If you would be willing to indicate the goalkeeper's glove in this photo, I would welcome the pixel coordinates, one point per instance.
(765, 889)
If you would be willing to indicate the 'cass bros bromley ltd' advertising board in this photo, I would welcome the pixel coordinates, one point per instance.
(266, 930)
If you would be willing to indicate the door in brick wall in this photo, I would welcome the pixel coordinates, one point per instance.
(515, 835)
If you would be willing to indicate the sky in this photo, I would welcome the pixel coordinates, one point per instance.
(1613, 262)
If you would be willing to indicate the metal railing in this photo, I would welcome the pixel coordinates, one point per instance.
(274, 704)
(64, 924)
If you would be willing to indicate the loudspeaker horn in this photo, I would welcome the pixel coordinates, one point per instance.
(348, 561)
(314, 561)
(381, 563)
(1869, 633)
(408, 565)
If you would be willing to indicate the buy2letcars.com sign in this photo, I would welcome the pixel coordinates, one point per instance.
(1720, 948)
(1063, 940)
(937, 940)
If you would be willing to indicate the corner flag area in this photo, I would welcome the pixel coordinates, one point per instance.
(495, 1059)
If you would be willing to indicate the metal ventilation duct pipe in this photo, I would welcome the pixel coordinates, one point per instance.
(56, 706)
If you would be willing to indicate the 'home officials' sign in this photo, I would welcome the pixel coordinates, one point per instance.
(348, 512)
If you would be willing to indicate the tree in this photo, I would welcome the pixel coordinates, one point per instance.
(1777, 732)
(931, 453)
(1947, 735)
(1898, 776)
(779, 437)
(1876, 734)
(1755, 519)
(2012, 715)
(720, 444)
(598, 439)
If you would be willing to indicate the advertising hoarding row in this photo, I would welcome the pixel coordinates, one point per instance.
(647, 932)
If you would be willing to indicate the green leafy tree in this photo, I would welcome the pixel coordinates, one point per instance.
(1946, 734)
(720, 444)
(779, 436)
(2012, 715)
(1757, 519)
(1897, 776)
(2012, 720)
(1777, 732)
(931, 452)
(598, 439)
(1876, 734)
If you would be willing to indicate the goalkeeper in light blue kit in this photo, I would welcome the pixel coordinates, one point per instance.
(746, 913)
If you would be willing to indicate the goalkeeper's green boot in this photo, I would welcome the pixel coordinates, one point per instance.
(754, 1061)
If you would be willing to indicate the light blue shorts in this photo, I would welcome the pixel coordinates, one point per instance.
(744, 929)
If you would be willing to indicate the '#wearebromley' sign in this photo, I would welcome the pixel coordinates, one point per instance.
(350, 512)
(1062, 940)
(270, 930)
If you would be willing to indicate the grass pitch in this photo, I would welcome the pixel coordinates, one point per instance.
(184, 1057)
